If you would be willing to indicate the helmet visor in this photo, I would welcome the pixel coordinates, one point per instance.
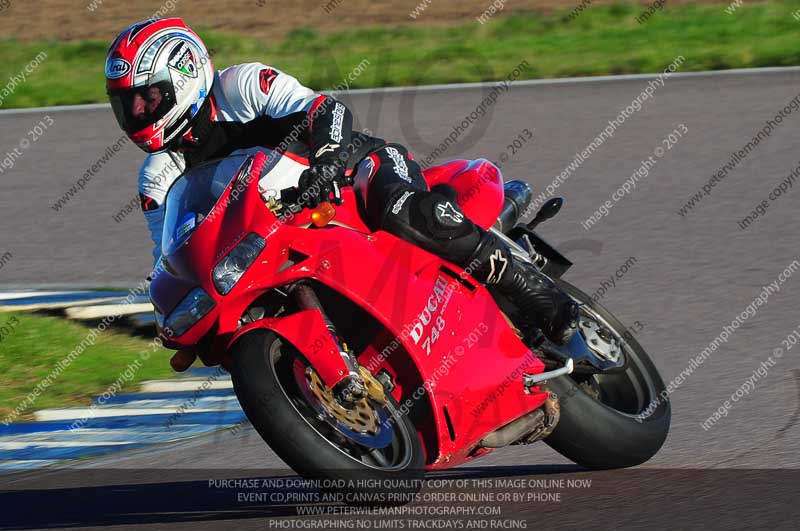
(140, 107)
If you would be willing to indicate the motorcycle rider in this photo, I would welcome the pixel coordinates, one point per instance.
(171, 102)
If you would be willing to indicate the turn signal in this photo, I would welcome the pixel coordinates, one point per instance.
(323, 214)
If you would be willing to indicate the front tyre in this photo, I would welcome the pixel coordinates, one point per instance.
(610, 420)
(372, 454)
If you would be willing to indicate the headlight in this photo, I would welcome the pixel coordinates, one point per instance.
(191, 309)
(231, 268)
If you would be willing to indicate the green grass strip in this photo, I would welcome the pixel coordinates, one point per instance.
(38, 351)
(600, 40)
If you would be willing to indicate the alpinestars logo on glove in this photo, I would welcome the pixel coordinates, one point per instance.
(325, 149)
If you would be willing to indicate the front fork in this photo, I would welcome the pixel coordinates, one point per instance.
(351, 388)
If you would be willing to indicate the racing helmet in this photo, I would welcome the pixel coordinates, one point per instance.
(158, 75)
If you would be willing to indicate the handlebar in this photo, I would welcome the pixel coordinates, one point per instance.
(292, 198)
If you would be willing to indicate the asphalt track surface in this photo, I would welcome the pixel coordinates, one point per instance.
(692, 275)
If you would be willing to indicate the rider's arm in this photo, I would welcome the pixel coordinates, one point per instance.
(330, 130)
(155, 177)
(297, 113)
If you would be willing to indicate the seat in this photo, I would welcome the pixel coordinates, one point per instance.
(478, 184)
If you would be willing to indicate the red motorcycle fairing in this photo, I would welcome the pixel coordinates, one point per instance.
(306, 331)
(450, 343)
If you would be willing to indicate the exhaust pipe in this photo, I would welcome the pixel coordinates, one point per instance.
(514, 430)
(518, 196)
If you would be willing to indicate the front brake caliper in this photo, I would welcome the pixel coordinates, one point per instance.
(348, 391)
(374, 387)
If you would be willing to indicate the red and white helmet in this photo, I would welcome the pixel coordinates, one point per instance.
(158, 74)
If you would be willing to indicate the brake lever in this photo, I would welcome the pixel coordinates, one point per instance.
(291, 196)
(337, 194)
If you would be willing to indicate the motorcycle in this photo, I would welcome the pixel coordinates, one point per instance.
(355, 354)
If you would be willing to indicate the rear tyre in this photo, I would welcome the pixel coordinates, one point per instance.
(610, 420)
(367, 463)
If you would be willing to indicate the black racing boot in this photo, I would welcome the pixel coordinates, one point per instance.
(539, 302)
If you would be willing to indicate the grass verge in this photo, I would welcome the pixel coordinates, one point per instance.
(34, 347)
(600, 40)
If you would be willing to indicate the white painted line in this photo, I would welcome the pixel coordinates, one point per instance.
(98, 312)
(58, 108)
(52, 305)
(468, 86)
(586, 79)
(25, 463)
(96, 413)
(172, 403)
(59, 444)
(99, 435)
(168, 386)
(11, 295)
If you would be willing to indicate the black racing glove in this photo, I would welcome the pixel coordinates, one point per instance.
(319, 181)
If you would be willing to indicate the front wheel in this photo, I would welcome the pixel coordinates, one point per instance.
(611, 420)
(371, 453)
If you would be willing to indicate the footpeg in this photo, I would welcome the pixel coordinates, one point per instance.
(529, 380)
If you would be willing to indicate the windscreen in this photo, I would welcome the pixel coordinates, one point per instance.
(193, 196)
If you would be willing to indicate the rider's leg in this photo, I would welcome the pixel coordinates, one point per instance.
(396, 199)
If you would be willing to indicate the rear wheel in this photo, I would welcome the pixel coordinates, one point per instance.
(373, 448)
(610, 420)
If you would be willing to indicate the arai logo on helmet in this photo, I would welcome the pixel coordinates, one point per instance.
(117, 68)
